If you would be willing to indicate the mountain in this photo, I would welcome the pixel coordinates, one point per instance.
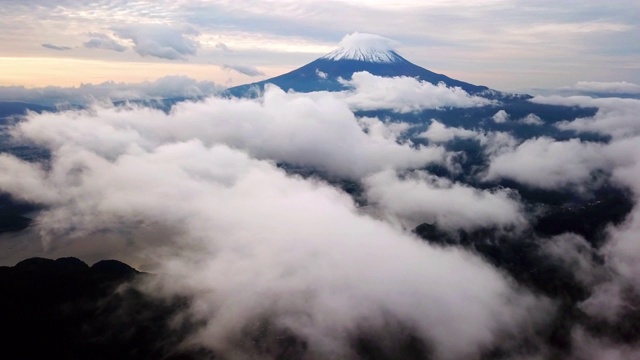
(356, 52)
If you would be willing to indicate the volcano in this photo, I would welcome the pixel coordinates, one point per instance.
(356, 52)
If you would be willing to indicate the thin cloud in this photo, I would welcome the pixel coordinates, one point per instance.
(56, 47)
(244, 69)
(103, 41)
(618, 87)
(85, 94)
(164, 42)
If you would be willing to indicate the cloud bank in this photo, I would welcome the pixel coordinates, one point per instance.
(249, 243)
(85, 94)
(263, 252)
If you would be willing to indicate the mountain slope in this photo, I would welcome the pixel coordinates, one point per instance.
(357, 52)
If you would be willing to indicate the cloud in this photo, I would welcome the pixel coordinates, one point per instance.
(367, 47)
(545, 163)
(598, 87)
(419, 197)
(616, 116)
(439, 133)
(367, 41)
(321, 133)
(56, 47)
(612, 300)
(405, 94)
(494, 143)
(500, 117)
(321, 75)
(166, 87)
(223, 47)
(165, 42)
(103, 41)
(244, 69)
(575, 254)
(249, 243)
(531, 119)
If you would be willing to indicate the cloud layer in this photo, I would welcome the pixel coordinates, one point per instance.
(85, 94)
(249, 243)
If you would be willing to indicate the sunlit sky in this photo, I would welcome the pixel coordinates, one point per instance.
(504, 44)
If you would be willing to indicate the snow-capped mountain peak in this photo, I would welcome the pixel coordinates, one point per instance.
(365, 47)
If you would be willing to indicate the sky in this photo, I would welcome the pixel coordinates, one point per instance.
(510, 45)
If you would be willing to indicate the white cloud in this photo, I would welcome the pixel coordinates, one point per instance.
(160, 41)
(616, 117)
(244, 69)
(531, 119)
(166, 87)
(319, 132)
(613, 87)
(611, 299)
(405, 94)
(418, 197)
(548, 164)
(321, 75)
(439, 133)
(500, 117)
(248, 242)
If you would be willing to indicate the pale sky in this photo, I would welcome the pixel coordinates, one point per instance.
(505, 44)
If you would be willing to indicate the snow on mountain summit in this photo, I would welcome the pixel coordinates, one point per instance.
(365, 47)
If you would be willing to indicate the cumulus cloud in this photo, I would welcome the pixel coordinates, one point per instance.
(500, 117)
(244, 69)
(103, 41)
(166, 87)
(56, 47)
(531, 119)
(418, 197)
(405, 94)
(321, 133)
(616, 116)
(494, 143)
(250, 243)
(549, 164)
(165, 42)
(440, 133)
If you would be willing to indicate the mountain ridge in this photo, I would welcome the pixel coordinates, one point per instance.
(357, 53)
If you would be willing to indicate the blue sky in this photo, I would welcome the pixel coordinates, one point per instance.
(505, 44)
